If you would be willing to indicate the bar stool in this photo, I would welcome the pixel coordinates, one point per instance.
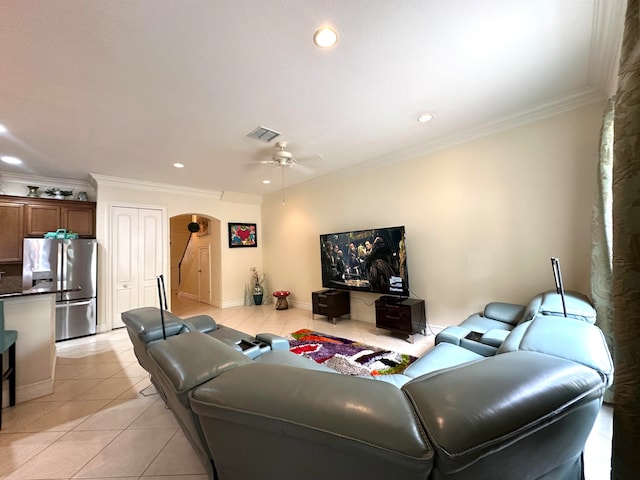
(7, 343)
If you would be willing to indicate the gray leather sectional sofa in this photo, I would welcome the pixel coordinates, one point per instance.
(523, 413)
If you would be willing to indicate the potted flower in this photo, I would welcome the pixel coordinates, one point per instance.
(257, 290)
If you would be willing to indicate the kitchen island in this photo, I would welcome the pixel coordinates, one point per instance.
(32, 314)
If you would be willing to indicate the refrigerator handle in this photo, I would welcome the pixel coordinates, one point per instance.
(61, 260)
(73, 304)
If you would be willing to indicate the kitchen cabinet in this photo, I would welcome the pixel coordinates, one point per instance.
(11, 233)
(406, 316)
(79, 218)
(44, 216)
(41, 218)
(33, 217)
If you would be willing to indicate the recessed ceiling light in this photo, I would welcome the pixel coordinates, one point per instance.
(266, 182)
(3, 129)
(425, 117)
(11, 160)
(178, 165)
(325, 37)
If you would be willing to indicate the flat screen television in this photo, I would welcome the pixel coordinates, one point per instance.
(372, 260)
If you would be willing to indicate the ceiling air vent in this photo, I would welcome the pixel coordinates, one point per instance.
(263, 133)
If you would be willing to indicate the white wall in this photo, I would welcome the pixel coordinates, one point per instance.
(482, 218)
(234, 263)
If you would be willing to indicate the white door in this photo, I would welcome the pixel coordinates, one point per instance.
(137, 258)
(151, 248)
(204, 274)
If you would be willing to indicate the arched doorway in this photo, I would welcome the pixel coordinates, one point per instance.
(195, 258)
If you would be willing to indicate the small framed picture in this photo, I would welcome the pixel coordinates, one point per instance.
(204, 229)
(242, 235)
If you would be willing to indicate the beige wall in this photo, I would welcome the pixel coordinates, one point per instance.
(482, 218)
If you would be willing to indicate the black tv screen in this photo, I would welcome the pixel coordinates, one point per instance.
(372, 260)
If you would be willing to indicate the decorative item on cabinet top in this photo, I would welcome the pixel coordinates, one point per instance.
(58, 193)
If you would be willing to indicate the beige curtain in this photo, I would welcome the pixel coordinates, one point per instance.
(626, 254)
(602, 235)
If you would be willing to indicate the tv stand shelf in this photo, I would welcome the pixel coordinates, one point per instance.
(332, 303)
(407, 316)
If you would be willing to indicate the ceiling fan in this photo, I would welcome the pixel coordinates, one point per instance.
(281, 157)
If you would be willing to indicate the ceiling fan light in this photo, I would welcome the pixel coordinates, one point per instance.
(325, 37)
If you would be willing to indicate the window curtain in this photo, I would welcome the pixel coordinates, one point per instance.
(626, 254)
(602, 235)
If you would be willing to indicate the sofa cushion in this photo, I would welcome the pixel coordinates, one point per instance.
(285, 357)
(569, 338)
(479, 323)
(180, 359)
(146, 323)
(512, 342)
(578, 306)
(200, 323)
(504, 312)
(336, 421)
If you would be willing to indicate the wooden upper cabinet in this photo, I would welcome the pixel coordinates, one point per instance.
(79, 219)
(11, 232)
(41, 218)
(33, 217)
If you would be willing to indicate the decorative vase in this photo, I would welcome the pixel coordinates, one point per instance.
(257, 294)
(33, 191)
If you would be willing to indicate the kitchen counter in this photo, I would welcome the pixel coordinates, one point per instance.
(32, 315)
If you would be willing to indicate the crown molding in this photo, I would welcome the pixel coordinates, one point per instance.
(26, 179)
(105, 180)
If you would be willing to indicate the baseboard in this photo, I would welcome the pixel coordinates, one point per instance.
(31, 391)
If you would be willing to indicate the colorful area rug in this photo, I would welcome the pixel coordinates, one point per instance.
(346, 356)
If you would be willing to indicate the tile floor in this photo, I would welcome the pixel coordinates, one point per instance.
(97, 424)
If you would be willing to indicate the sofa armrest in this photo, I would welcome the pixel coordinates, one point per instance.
(276, 342)
(494, 337)
(452, 334)
(508, 418)
(504, 312)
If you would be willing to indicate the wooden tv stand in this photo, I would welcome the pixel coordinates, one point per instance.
(332, 303)
(407, 316)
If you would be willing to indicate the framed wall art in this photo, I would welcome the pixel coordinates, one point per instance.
(242, 235)
(205, 228)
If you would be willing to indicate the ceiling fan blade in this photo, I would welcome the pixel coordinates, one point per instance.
(304, 169)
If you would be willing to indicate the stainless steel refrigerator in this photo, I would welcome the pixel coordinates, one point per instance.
(72, 264)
